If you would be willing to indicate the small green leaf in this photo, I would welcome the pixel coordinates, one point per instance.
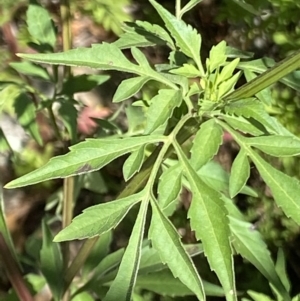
(187, 70)
(227, 71)
(30, 69)
(285, 189)
(51, 263)
(275, 145)
(134, 39)
(133, 163)
(26, 114)
(169, 185)
(217, 56)
(206, 143)
(129, 87)
(240, 172)
(161, 108)
(98, 219)
(242, 124)
(226, 86)
(122, 287)
(157, 31)
(187, 38)
(84, 157)
(83, 83)
(252, 108)
(213, 232)
(40, 25)
(166, 241)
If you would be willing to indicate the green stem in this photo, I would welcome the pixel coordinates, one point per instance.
(178, 9)
(68, 182)
(66, 30)
(78, 261)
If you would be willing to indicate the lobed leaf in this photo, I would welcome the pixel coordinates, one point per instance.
(161, 108)
(98, 219)
(122, 287)
(84, 157)
(213, 232)
(182, 33)
(206, 143)
(240, 172)
(157, 31)
(166, 241)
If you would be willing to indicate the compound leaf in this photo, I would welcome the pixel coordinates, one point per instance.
(182, 33)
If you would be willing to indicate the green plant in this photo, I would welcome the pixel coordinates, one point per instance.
(185, 123)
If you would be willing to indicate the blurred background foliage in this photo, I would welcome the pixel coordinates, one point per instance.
(265, 27)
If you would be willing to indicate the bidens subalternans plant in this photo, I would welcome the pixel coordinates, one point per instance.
(201, 110)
